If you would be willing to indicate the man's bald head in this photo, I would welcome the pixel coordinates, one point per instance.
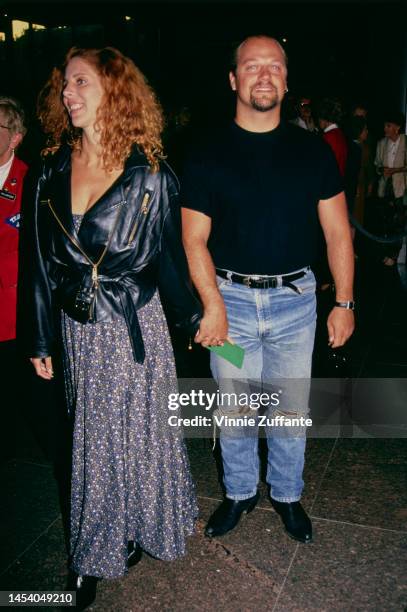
(238, 49)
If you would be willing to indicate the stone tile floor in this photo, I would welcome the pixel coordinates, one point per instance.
(357, 501)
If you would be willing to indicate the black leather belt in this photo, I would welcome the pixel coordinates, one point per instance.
(263, 282)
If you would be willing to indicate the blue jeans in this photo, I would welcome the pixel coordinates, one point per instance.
(276, 327)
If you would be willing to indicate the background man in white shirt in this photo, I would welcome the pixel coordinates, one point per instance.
(391, 165)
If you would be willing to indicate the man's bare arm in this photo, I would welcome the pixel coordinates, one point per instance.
(333, 216)
(196, 229)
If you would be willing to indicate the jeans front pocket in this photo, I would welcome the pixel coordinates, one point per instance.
(222, 282)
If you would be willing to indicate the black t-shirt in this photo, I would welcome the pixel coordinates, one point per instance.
(261, 191)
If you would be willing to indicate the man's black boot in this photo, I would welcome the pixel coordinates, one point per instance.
(227, 515)
(296, 521)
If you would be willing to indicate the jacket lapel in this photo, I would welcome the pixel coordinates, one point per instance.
(60, 189)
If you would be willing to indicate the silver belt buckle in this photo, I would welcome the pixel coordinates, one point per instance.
(247, 281)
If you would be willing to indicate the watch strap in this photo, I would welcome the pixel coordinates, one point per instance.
(348, 305)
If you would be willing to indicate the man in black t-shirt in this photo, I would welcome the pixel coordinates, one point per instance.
(252, 199)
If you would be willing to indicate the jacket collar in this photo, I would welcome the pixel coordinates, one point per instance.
(61, 184)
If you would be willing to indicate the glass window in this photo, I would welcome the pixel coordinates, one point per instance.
(19, 28)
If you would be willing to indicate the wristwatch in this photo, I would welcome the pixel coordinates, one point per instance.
(348, 305)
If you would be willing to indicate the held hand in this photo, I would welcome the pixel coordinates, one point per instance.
(43, 367)
(213, 329)
(341, 323)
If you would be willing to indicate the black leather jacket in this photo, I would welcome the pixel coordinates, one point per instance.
(136, 224)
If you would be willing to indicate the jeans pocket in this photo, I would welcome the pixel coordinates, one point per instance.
(222, 282)
(306, 284)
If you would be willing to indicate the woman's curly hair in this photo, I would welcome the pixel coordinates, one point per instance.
(129, 113)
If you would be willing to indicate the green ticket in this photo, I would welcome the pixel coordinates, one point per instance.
(231, 352)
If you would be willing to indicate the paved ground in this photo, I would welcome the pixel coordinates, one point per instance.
(355, 492)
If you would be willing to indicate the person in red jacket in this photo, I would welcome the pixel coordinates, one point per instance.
(329, 115)
(12, 172)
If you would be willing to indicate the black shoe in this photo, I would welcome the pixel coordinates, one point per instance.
(85, 588)
(134, 553)
(227, 515)
(296, 521)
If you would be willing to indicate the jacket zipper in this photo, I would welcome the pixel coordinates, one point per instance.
(143, 211)
(95, 265)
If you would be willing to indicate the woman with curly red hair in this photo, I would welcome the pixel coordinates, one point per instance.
(102, 239)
